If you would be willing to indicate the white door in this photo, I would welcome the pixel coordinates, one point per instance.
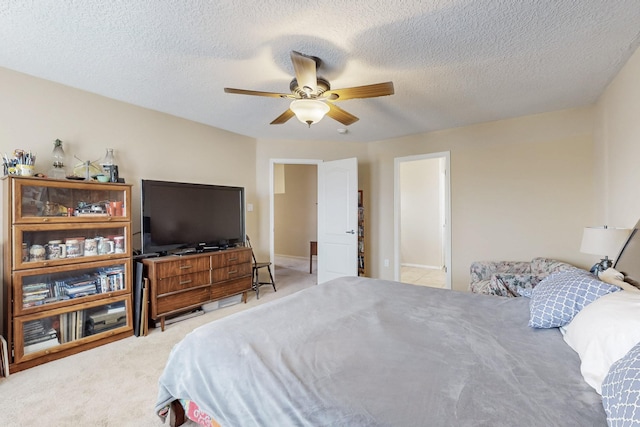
(337, 219)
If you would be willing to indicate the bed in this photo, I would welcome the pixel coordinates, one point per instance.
(366, 352)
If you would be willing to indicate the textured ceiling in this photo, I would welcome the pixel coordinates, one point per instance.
(453, 62)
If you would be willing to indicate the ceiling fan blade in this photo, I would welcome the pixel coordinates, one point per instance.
(340, 115)
(282, 118)
(367, 91)
(258, 93)
(305, 68)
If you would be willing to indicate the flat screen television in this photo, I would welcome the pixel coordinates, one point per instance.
(184, 217)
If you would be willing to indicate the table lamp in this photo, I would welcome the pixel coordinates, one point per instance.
(603, 241)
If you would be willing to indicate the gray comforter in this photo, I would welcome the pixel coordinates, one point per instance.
(364, 352)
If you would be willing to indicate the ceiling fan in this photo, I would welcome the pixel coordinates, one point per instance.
(313, 97)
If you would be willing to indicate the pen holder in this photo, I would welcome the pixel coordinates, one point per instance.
(25, 170)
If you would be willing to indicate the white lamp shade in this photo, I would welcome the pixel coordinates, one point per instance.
(309, 111)
(604, 241)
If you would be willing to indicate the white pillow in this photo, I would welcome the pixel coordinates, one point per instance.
(603, 332)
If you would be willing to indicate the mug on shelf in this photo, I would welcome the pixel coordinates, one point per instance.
(56, 249)
(115, 209)
(118, 242)
(37, 253)
(75, 247)
(90, 247)
(105, 246)
(25, 252)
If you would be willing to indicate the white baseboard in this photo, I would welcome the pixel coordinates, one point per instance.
(291, 256)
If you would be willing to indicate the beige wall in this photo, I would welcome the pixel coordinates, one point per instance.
(617, 146)
(268, 149)
(148, 144)
(420, 229)
(520, 188)
(296, 211)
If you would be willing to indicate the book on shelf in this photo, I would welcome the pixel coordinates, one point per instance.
(38, 330)
(72, 326)
(68, 327)
(112, 279)
(71, 317)
(80, 324)
(64, 334)
(40, 338)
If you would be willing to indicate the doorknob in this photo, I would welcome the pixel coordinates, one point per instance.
(351, 232)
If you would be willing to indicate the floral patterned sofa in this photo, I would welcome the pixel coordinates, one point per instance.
(512, 278)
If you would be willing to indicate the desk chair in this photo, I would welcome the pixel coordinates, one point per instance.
(256, 272)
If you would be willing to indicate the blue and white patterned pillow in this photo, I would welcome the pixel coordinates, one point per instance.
(621, 391)
(560, 296)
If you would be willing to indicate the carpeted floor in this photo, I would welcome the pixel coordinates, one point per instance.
(116, 384)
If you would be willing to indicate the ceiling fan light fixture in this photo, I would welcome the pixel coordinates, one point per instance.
(309, 111)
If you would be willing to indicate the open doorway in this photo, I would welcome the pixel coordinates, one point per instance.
(422, 217)
(294, 216)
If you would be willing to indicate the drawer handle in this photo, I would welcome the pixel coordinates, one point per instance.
(185, 282)
(233, 259)
(182, 267)
(232, 272)
(45, 219)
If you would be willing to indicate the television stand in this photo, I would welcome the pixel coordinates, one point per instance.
(178, 284)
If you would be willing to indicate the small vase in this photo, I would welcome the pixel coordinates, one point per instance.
(57, 170)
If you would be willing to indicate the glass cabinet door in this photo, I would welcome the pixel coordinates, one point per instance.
(51, 332)
(58, 244)
(54, 287)
(39, 200)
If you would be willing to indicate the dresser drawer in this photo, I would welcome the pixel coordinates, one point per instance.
(232, 257)
(183, 281)
(168, 303)
(231, 272)
(183, 265)
(232, 287)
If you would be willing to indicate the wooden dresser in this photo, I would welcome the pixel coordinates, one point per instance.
(180, 283)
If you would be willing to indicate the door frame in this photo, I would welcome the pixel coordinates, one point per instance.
(446, 155)
(272, 163)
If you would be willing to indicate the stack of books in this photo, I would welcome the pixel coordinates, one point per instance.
(39, 335)
(80, 286)
(111, 279)
(38, 293)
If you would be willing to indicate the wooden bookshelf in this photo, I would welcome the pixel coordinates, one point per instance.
(67, 267)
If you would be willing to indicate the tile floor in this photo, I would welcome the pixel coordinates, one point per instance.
(435, 278)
